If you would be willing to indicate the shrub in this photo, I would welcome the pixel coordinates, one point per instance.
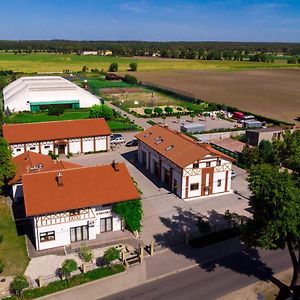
(67, 267)
(86, 253)
(168, 110)
(148, 111)
(158, 110)
(130, 79)
(179, 108)
(18, 284)
(151, 122)
(101, 111)
(55, 110)
(52, 155)
(2, 265)
(110, 255)
(113, 67)
(133, 66)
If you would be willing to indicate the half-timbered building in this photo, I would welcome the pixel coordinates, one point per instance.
(59, 137)
(75, 205)
(191, 170)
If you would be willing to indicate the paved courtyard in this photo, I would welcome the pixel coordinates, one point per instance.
(166, 215)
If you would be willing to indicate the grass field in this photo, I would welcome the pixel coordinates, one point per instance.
(114, 125)
(12, 248)
(271, 93)
(45, 62)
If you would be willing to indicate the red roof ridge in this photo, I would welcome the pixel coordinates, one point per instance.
(55, 121)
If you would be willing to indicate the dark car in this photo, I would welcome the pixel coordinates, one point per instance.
(132, 143)
(115, 135)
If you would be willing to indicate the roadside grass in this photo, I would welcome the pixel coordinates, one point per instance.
(76, 280)
(49, 62)
(13, 247)
(114, 125)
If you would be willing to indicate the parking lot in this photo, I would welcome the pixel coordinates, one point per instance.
(165, 215)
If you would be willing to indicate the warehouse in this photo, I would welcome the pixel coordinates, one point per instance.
(40, 92)
(58, 137)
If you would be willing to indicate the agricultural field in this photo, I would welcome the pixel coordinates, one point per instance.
(271, 93)
(48, 62)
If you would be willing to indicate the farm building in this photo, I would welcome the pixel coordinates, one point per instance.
(38, 93)
(31, 162)
(190, 170)
(255, 136)
(76, 203)
(59, 137)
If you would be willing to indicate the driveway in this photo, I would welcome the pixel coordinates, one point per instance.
(166, 215)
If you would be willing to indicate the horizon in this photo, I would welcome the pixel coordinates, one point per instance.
(251, 21)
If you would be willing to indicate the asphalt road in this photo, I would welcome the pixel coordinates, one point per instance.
(231, 273)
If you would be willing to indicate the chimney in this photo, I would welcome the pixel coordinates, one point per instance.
(115, 165)
(59, 179)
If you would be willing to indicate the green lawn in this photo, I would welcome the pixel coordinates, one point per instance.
(114, 125)
(102, 84)
(12, 248)
(46, 62)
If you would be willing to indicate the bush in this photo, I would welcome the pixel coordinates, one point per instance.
(110, 255)
(86, 253)
(151, 122)
(113, 67)
(133, 66)
(101, 111)
(148, 111)
(158, 110)
(67, 267)
(52, 155)
(55, 110)
(168, 110)
(18, 284)
(130, 79)
(179, 108)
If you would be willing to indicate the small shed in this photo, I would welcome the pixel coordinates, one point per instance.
(193, 127)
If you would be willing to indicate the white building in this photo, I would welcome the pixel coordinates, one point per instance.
(89, 53)
(74, 205)
(190, 170)
(59, 137)
(39, 92)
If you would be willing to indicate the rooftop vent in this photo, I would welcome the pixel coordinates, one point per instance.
(147, 134)
(59, 179)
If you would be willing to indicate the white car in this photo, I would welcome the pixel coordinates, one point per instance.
(118, 140)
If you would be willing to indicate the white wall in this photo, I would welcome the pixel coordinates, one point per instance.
(88, 144)
(74, 145)
(102, 142)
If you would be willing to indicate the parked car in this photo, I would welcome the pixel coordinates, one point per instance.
(233, 174)
(118, 140)
(132, 143)
(115, 135)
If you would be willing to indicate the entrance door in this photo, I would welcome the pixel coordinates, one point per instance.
(79, 233)
(207, 181)
(106, 224)
(61, 149)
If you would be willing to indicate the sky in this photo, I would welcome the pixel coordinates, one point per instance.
(151, 20)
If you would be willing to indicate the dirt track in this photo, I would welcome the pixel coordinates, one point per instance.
(273, 93)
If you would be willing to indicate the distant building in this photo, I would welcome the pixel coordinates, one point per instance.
(255, 136)
(31, 162)
(75, 205)
(89, 53)
(39, 92)
(193, 127)
(59, 137)
(190, 170)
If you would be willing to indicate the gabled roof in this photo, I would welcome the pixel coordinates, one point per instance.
(81, 187)
(177, 147)
(31, 162)
(47, 131)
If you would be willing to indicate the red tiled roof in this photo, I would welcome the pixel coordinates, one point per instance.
(175, 146)
(47, 131)
(31, 162)
(82, 187)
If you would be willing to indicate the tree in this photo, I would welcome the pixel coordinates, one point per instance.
(111, 254)
(133, 66)
(84, 69)
(86, 253)
(148, 111)
(168, 109)
(158, 110)
(101, 111)
(266, 151)
(130, 79)
(275, 204)
(113, 67)
(7, 168)
(18, 284)
(163, 118)
(131, 212)
(250, 156)
(67, 267)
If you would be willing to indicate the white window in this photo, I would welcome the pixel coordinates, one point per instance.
(18, 150)
(47, 147)
(47, 236)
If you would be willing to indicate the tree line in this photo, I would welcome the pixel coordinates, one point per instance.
(165, 49)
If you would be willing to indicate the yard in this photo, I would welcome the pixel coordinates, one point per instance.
(12, 248)
(118, 124)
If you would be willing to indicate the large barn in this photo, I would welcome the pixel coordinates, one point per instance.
(38, 93)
